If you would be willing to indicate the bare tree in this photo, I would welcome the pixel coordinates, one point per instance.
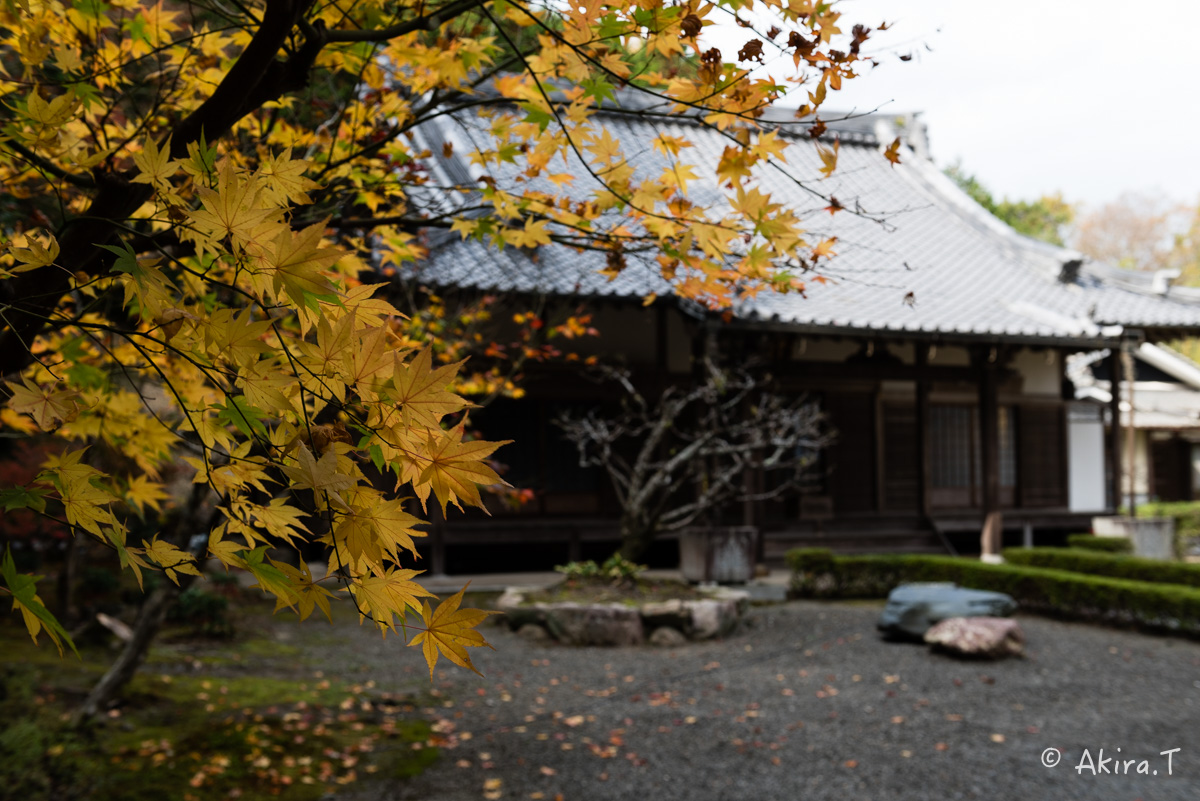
(686, 455)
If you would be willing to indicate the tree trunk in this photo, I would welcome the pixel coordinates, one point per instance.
(636, 537)
(150, 615)
(67, 578)
(150, 619)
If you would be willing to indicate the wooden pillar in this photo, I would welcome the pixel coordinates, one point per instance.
(574, 546)
(989, 439)
(922, 415)
(1131, 433)
(1115, 373)
(437, 541)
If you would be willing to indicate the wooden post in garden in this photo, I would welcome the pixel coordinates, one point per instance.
(989, 425)
(1131, 431)
(1115, 371)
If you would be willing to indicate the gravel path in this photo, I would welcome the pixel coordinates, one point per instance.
(805, 702)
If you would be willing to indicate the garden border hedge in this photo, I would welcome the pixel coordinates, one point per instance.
(818, 573)
(1091, 542)
(1094, 563)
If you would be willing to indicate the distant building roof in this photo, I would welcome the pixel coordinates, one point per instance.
(1170, 400)
(916, 257)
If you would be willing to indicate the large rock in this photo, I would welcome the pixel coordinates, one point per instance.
(673, 613)
(619, 624)
(595, 624)
(667, 637)
(913, 608)
(533, 632)
(713, 617)
(984, 637)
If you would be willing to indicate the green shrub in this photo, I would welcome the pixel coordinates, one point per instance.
(204, 611)
(616, 569)
(1091, 542)
(1102, 564)
(1054, 592)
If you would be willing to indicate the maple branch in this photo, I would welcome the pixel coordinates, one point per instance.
(255, 77)
(46, 165)
(255, 74)
(428, 22)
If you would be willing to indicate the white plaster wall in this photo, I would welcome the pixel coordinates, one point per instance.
(906, 352)
(949, 356)
(1040, 371)
(1085, 465)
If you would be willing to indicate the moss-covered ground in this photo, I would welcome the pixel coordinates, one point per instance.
(250, 715)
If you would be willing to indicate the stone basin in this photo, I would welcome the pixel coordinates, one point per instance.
(573, 623)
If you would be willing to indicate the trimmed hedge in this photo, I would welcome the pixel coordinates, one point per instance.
(1090, 542)
(1101, 564)
(1161, 607)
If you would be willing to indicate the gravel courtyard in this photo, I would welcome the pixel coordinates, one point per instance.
(806, 702)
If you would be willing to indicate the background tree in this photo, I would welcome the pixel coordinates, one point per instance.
(1044, 218)
(1144, 232)
(1140, 232)
(193, 193)
(684, 456)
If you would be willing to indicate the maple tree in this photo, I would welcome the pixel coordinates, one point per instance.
(194, 193)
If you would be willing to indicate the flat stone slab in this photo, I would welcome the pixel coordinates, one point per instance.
(620, 624)
(980, 637)
(913, 608)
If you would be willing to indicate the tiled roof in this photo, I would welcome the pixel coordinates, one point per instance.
(1157, 404)
(915, 255)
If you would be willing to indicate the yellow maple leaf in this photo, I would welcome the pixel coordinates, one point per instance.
(49, 407)
(298, 262)
(86, 504)
(279, 519)
(423, 392)
(171, 559)
(829, 158)
(309, 594)
(450, 631)
(381, 598)
(284, 179)
(371, 362)
(236, 336)
(233, 209)
(143, 492)
(892, 152)
(373, 529)
(456, 469)
(154, 164)
(321, 475)
(533, 234)
(36, 255)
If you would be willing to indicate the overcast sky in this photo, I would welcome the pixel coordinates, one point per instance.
(1089, 98)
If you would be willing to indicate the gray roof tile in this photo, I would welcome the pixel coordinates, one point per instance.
(969, 274)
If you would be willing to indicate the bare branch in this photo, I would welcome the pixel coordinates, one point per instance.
(693, 448)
